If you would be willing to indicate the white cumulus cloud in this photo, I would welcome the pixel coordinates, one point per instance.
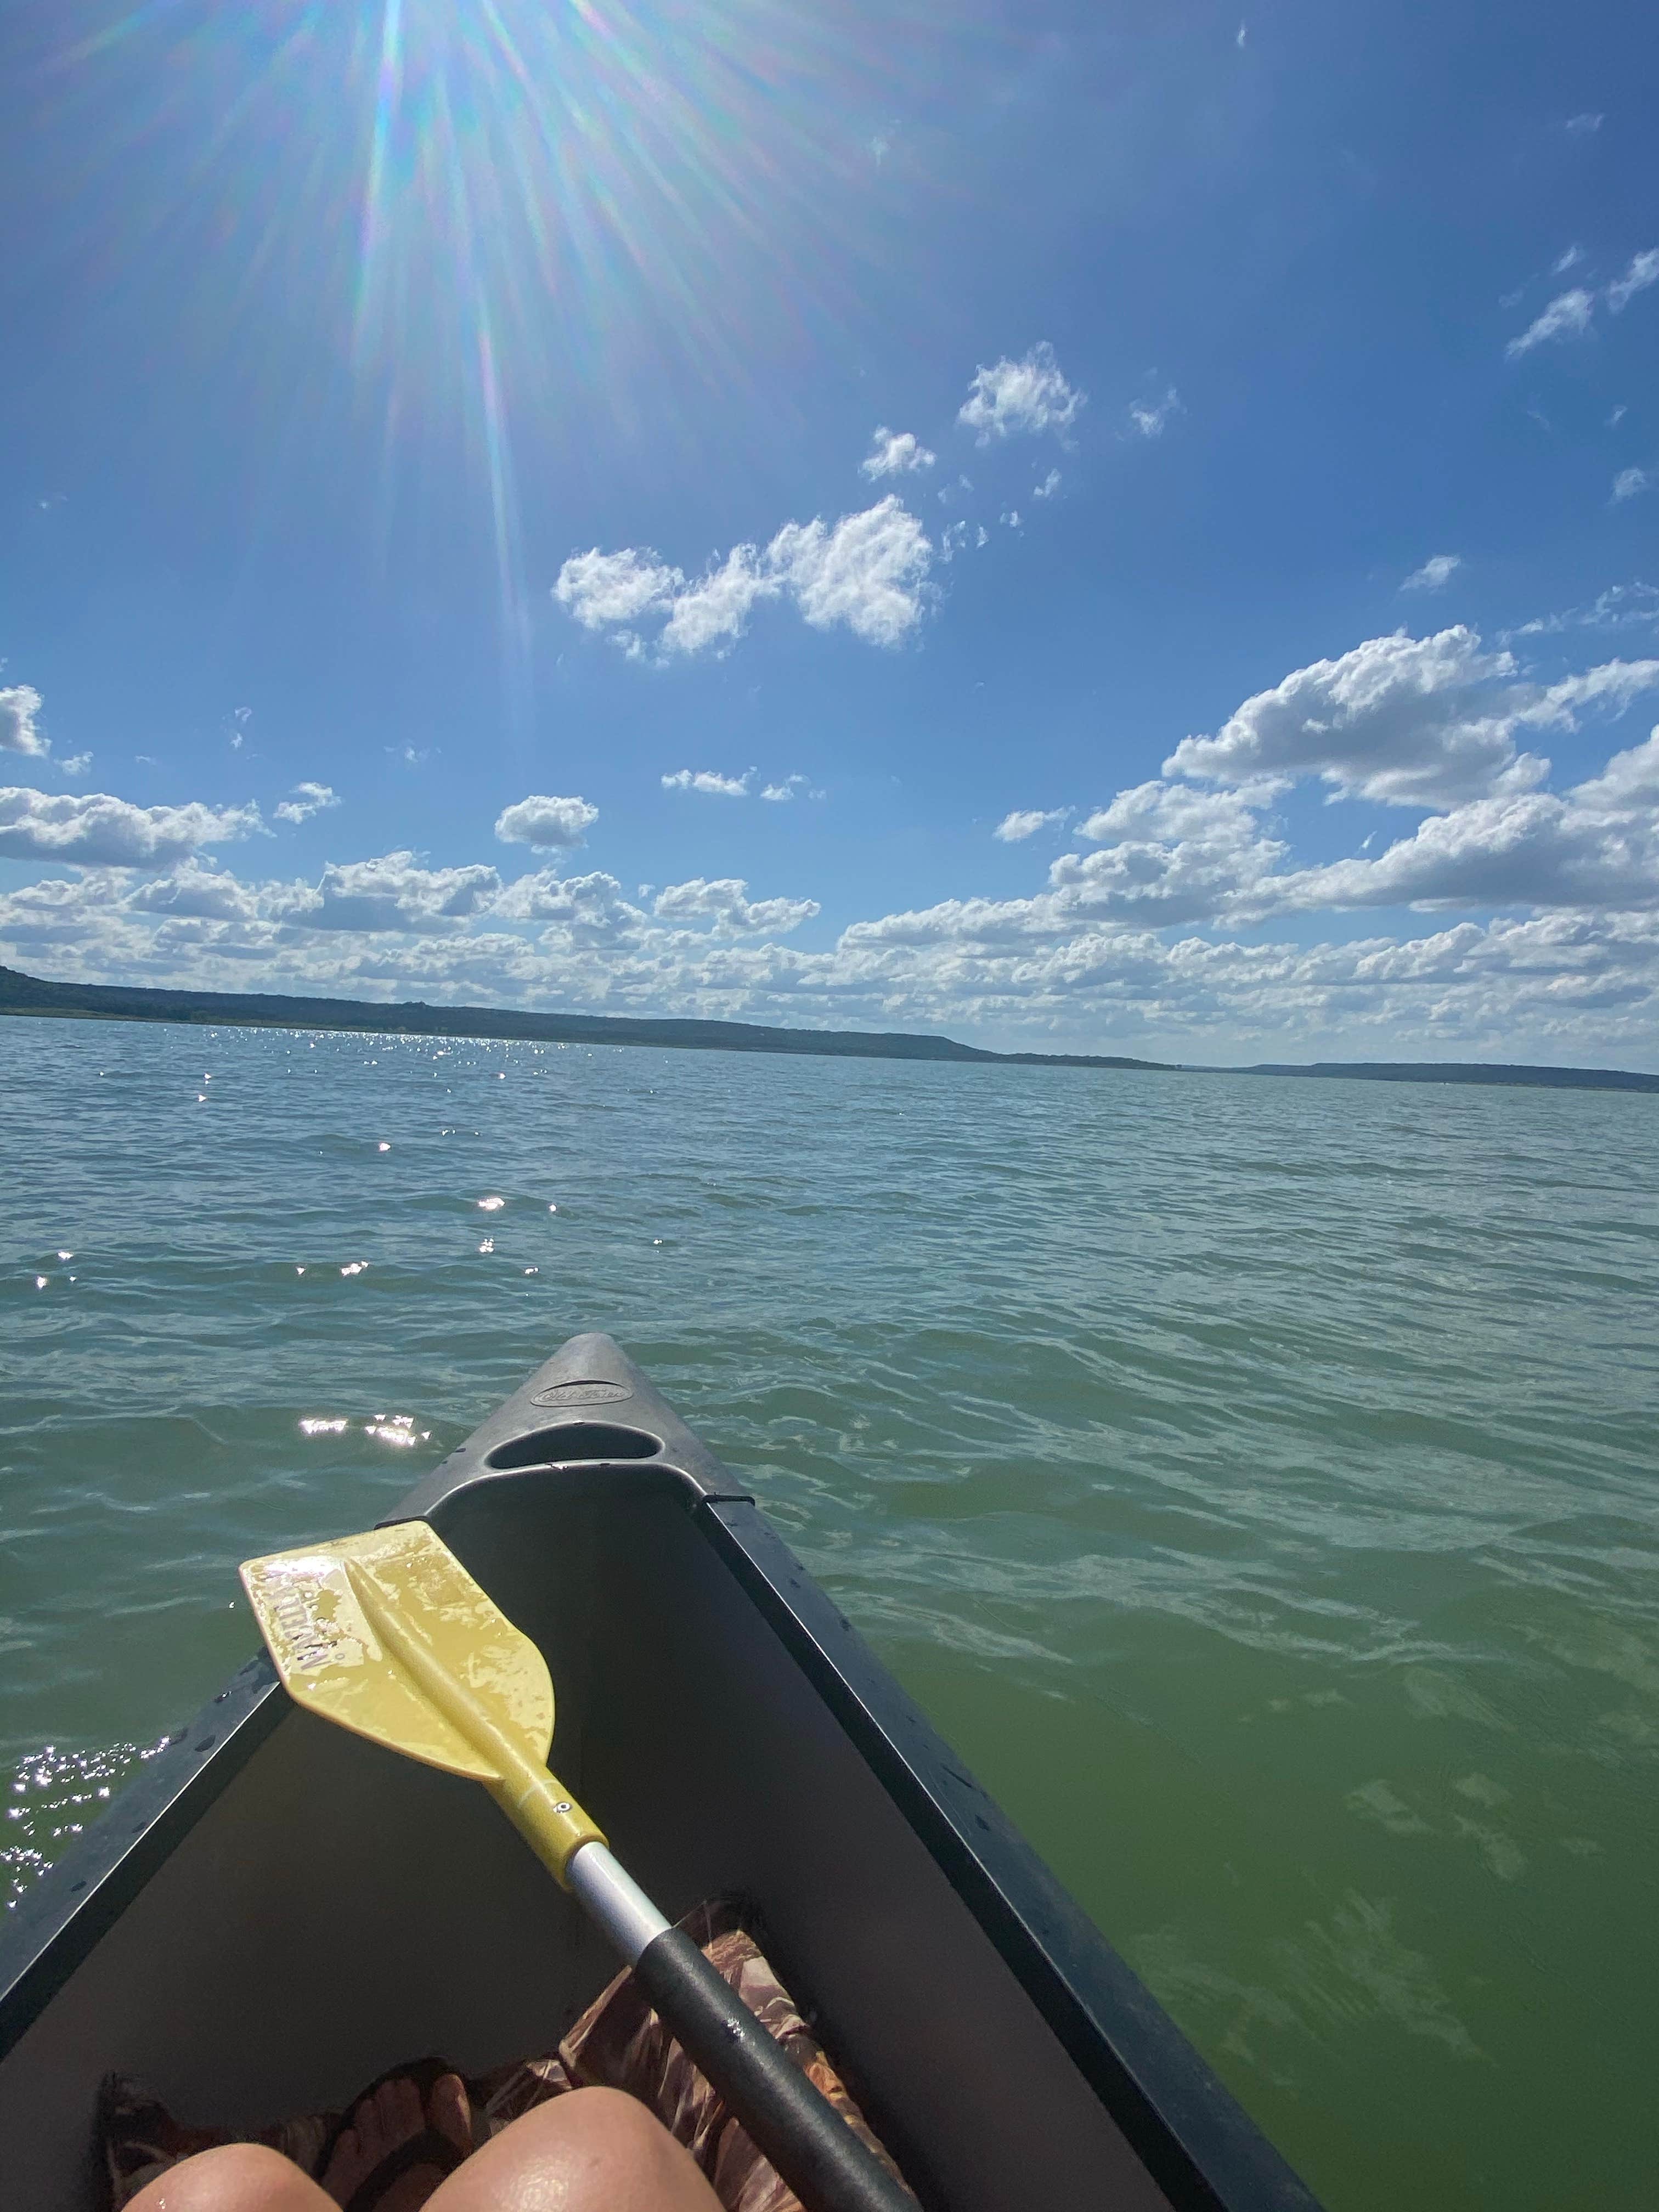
(392, 893)
(602, 589)
(1571, 314)
(546, 824)
(197, 890)
(96, 830)
(895, 454)
(1024, 396)
(1150, 417)
(1170, 854)
(1407, 721)
(588, 910)
(19, 705)
(1596, 846)
(1628, 482)
(304, 801)
(1620, 606)
(1173, 855)
(715, 610)
(1435, 572)
(710, 782)
(725, 904)
(1643, 271)
(866, 570)
(1567, 316)
(1025, 821)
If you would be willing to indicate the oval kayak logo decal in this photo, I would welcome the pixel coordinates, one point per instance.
(581, 1394)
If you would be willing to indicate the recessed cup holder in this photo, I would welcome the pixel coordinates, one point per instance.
(573, 1440)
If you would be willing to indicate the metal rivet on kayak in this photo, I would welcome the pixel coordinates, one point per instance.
(563, 1806)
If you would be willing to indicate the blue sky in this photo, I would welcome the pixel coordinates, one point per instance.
(1162, 501)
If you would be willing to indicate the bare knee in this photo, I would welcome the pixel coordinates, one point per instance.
(610, 2121)
(595, 2150)
(236, 2178)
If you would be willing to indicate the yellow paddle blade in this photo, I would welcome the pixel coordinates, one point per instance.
(388, 1634)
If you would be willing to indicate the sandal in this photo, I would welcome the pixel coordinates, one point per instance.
(429, 2147)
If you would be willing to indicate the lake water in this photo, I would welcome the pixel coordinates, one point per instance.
(1254, 1479)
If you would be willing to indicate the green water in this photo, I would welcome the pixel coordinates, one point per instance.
(1254, 1479)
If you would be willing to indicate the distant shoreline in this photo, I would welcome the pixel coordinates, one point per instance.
(21, 994)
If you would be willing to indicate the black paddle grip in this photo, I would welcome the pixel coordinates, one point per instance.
(788, 2118)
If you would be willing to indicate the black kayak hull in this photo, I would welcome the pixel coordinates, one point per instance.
(277, 1910)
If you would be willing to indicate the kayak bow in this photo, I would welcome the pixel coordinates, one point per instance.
(275, 1911)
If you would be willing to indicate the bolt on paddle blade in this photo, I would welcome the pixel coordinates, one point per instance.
(360, 1627)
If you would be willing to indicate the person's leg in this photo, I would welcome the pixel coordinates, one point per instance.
(389, 2132)
(595, 2150)
(248, 2178)
(238, 2178)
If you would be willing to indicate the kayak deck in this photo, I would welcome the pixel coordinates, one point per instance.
(279, 1911)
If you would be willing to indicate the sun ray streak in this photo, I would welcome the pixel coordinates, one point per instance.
(503, 508)
(388, 96)
(431, 240)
